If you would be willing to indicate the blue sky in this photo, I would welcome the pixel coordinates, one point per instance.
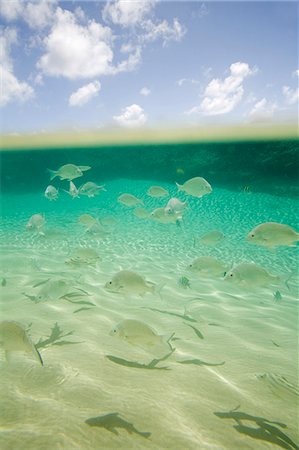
(73, 65)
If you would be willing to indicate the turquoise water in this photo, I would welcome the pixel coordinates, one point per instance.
(227, 383)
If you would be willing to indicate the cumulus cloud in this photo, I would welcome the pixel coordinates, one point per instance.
(11, 88)
(222, 96)
(145, 91)
(75, 51)
(84, 94)
(291, 95)
(139, 15)
(37, 13)
(132, 116)
(127, 13)
(263, 110)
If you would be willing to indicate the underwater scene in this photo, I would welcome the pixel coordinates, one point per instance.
(149, 296)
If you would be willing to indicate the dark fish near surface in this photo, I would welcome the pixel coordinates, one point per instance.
(278, 384)
(137, 365)
(112, 421)
(199, 362)
(197, 332)
(181, 316)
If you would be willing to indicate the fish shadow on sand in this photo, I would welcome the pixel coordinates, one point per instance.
(181, 316)
(265, 431)
(55, 338)
(112, 421)
(137, 365)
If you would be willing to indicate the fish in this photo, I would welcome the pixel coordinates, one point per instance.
(51, 193)
(141, 213)
(68, 172)
(251, 275)
(273, 234)
(129, 282)
(212, 238)
(199, 362)
(277, 296)
(152, 365)
(113, 421)
(184, 282)
(129, 200)
(90, 189)
(159, 215)
(175, 207)
(139, 334)
(83, 256)
(73, 191)
(14, 338)
(196, 331)
(91, 223)
(36, 223)
(197, 187)
(108, 222)
(157, 191)
(278, 384)
(208, 266)
(169, 313)
(52, 290)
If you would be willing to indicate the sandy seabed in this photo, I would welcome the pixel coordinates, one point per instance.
(206, 394)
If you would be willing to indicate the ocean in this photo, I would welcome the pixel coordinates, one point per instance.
(215, 365)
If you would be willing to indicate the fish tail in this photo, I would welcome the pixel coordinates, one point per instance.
(179, 186)
(53, 174)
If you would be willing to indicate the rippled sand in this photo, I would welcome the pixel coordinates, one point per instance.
(245, 332)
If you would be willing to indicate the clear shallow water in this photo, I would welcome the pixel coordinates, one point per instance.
(214, 400)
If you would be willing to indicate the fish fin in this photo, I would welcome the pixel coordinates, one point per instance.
(84, 168)
(38, 355)
(53, 174)
(179, 186)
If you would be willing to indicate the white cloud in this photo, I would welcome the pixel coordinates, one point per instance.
(222, 96)
(37, 14)
(296, 73)
(126, 12)
(139, 15)
(291, 95)
(75, 51)
(129, 64)
(84, 94)
(132, 116)
(145, 91)
(186, 80)
(11, 88)
(162, 30)
(200, 12)
(262, 111)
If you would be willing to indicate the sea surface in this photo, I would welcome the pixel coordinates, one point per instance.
(224, 374)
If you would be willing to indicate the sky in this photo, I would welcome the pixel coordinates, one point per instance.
(94, 65)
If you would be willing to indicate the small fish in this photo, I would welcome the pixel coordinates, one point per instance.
(129, 200)
(83, 256)
(140, 334)
(91, 223)
(184, 282)
(159, 215)
(157, 191)
(141, 213)
(175, 207)
(36, 223)
(51, 193)
(136, 365)
(112, 421)
(251, 275)
(181, 316)
(180, 171)
(196, 331)
(73, 191)
(108, 222)
(129, 282)
(212, 238)
(91, 189)
(199, 362)
(3, 282)
(273, 234)
(14, 338)
(197, 187)
(278, 384)
(208, 266)
(277, 296)
(68, 172)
